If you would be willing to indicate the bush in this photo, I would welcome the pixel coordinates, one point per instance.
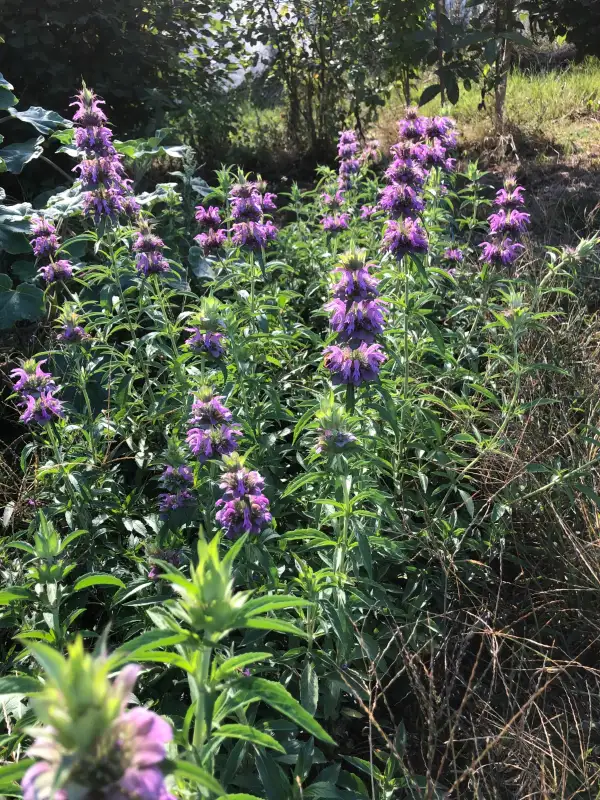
(287, 474)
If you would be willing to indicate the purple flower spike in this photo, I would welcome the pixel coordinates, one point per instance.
(88, 114)
(355, 284)
(406, 170)
(208, 217)
(174, 479)
(502, 253)
(333, 201)
(172, 502)
(61, 270)
(454, 255)
(212, 240)
(400, 200)
(73, 334)
(413, 127)
(349, 167)
(151, 263)
(206, 443)
(511, 222)
(209, 411)
(333, 441)
(366, 212)
(357, 321)
(405, 236)
(438, 127)
(45, 245)
(207, 343)
(348, 366)
(147, 243)
(42, 409)
(510, 197)
(333, 223)
(254, 235)
(32, 380)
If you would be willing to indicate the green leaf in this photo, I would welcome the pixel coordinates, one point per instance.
(4, 84)
(25, 303)
(248, 734)
(201, 778)
(201, 266)
(236, 663)
(272, 778)
(238, 796)
(14, 772)
(98, 579)
(25, 271)
(274, 624)
(309, 689)
(302, 480)
(42, 120)
(19, 684)
(15, 156)
(15, 593)
(7, 98)
(50, 660)
(145, 642)
(278, 697)
(429, 93)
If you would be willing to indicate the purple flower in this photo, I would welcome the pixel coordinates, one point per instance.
(433, 154)
(95, 139)
(511, 222)
(212, 240)
(349, 166)
(406, 170)
(72, 334)
(413, 126)
(32, 379)
(147, 242)
(45, 245)
(453, 254)
(208, 217)
(511, 196)
(55, 271)
(246, 203)
(354, 366)
(268, 201)
(42, 408)
(173, 479)
(254, 235)
(240, 482)
(106, 170)
(438, 126)
(400, 199)
(206, 342)
(149, 259)
(333, 441)
(88, 114)
(348, 144)
(103, 203)
(208, 411)
(356, 321)
(153, 573)
(206, 443)
(131, 207)
(355, 284)
(151, 263)
(126, 757)
(366, 212)
(501, 253)
(333, 201)
(247, 515)
(171, 502)
(404, 236)
(336, 222)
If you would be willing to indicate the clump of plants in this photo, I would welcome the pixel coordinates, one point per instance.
(252, 490)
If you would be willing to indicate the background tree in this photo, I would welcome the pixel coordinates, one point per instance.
(146, 57)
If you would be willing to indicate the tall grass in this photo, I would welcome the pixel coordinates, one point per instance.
(554, 106)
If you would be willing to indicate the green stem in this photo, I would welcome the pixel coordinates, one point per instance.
(203, 708)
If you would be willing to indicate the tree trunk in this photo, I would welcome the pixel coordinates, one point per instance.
(504, 21)
(439, 9)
